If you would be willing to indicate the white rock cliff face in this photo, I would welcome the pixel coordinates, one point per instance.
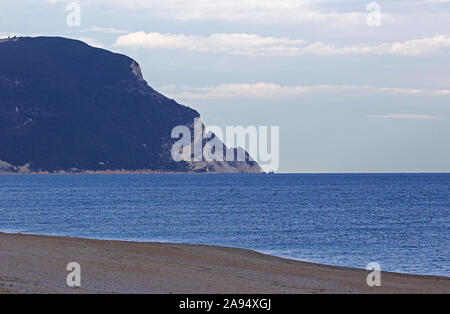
(224, 167)
(6, 168)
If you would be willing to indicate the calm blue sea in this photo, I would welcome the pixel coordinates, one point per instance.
(400, 221)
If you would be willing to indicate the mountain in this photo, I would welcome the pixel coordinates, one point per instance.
(68, 107)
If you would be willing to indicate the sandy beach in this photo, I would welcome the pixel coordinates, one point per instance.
(37, 264)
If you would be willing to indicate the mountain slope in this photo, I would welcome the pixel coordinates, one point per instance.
(69, 107)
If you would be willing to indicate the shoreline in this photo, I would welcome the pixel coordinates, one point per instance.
(119, 172)
(36, 233)
(150, 172)
(37, 264)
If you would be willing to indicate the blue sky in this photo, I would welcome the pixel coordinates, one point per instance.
(348, 97)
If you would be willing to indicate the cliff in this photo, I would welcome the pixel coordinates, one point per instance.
(68, 107)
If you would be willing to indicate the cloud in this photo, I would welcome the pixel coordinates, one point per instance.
(5, 35)
(107, 30)
(256, 45)
(91, 42)
(238, 10)
(273, 91)
(329, 13)
(406, 116)
(236, 44)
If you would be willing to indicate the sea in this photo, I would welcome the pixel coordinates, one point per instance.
(400, 221)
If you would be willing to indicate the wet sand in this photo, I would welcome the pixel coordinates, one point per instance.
(37, 264)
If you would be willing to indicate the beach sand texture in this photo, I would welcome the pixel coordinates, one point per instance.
(37, 264)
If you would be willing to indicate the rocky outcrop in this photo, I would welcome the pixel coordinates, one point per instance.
(66, 107)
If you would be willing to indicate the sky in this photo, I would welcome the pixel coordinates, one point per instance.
(354, 86)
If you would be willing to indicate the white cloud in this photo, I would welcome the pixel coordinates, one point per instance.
(273, 91)
(406, 116)
(256, 45)
(329, 13)
(5, 35)
(91, 42)
(239, 10)
(238, 44)
(107, 30)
